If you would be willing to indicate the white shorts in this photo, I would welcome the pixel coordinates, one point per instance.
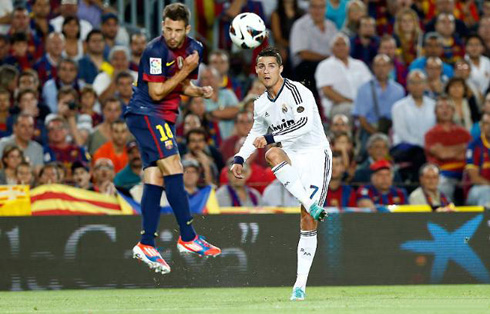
(315, 170)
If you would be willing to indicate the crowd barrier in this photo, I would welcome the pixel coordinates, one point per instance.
(86, 252)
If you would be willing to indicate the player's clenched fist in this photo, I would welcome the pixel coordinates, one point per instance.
(191, 62)
(236, 169)
(260, 142)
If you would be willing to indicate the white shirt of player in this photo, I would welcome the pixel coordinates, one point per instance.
(344, 79)
(292, 118)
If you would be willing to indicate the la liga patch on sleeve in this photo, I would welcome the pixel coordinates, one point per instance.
(155, 65)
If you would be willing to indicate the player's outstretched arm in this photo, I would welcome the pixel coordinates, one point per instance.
(159, 90)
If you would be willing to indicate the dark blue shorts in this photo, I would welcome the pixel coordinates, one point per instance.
(155, 137)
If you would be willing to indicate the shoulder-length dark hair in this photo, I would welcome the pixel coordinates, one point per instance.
(456, 80)
(67, 20)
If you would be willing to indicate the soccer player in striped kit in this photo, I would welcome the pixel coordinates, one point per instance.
(286, 114)
(166, 67)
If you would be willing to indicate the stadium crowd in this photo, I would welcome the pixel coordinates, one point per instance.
(402, 86)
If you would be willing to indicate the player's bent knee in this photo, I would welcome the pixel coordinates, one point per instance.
(275, 155)
(153, 175)
(170, 165)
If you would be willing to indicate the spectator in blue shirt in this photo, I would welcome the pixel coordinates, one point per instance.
(93, 62)
(433, 47)
(130, 175)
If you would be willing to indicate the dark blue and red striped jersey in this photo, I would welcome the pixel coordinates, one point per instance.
(478, 156)
(395, 196)
(159, 63)
(343, 196)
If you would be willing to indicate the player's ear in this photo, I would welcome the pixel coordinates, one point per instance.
(187, 29)
(281, 68)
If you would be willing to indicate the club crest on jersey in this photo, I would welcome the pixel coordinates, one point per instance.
(155, 65)
(284, 108)
(169, 145)
(283, 125)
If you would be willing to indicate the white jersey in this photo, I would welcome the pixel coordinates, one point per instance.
(292, 119)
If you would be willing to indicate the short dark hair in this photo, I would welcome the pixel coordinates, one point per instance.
(67, 90)
(475, 36)
(92, 33)
(456, 80)
(123, 74)
(135, 35)
(7, 74)
(108, 100)
(8, 150)
(199, 131)
(177, 12)
(68, 60)
(22, 115)
(18, 37)
(51, 165)
(26, 91)
(270, 52)
(118, 121)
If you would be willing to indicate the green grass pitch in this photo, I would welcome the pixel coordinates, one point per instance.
(467, 299)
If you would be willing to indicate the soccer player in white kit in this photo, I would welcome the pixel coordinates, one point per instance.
(287, 114)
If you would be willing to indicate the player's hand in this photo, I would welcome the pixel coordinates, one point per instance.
(260, 142)
(191, 62)
(237, 169)
(207, 91)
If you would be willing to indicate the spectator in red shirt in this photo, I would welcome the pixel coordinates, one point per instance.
(339, 194)
(21, 24)
(381, 191)
(445, 146)
(115, 149)
(58, 147)
(4, 48)
(20, 57)
(478, 165)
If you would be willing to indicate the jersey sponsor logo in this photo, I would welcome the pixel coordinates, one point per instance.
(155, 65)
(170, 63)
(282, 125)
(301, 109)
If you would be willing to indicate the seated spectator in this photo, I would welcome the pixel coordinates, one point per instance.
(12, 156)
(311, 41)
(68, 109)
(91, 11)
(130, 175)
(223, 104)
(70, 8)
(9, 76)
(49, 174)
(137, 43)
(375, 100)
(381, 191)
(103, 174)
(28, 79)
(484, 33)
(466, 110)
(275, 194)
(4, 112)
(115, 149)
(21, 24)
(40, 16)
(114, 34)
(339, 91)
(387, 46)
(192, 173)
(477, 159)
(340, 124)
(88, 101)
(433, 47)
(462, 69)
(59, 149)
(111, 111)
(93, 62)
(343, 144)
(476, 129)
(27, 103)
(435, 79)
(446, 7)
(428, 193)
(243, 124)
(236, 193)
(412, 117)
(24, 174)
(199, 151)
(453, 48)
(4, 47)
(356, 9)
(364, 46)
(124, 88)
(73, 43)
(23, 132)
(46, 67)
(378, 148)
(20, 57)
(219, 60)
(408, 35)
(445, 146)
(67, 76)
(81, 175)
(480, 64)
(105, 82)
(339, 194)
(197, 106)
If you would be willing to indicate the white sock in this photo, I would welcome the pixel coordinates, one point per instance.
(289, 177)
(306, 253)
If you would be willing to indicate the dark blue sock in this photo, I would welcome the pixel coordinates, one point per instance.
(178, 200)
(150, 208)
